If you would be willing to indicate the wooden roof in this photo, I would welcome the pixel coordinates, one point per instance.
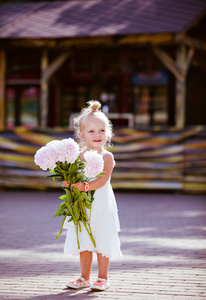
(97, 18)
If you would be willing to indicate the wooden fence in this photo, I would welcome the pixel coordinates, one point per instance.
(149, 160)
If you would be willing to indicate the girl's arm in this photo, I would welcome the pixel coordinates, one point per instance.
(99, 181)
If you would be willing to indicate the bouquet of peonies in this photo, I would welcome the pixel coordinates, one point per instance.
(63, 160)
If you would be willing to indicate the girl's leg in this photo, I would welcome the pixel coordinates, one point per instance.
(86, 264)
(103, 264)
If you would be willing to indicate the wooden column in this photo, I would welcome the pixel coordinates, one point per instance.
(46, 72)
(179, 70)
(2, 88)
(180, 89)
(44, 91)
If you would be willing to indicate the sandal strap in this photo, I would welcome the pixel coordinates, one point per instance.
(82, 279)
(102, 279)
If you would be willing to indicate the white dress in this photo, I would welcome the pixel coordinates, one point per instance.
(104, 223)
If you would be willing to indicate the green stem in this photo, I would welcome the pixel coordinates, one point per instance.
(61, 229)
(60, 169)
(84, 216)
(77, 234)
(70, 210)
(89, 231)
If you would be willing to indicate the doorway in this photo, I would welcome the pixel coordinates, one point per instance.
(22, 106)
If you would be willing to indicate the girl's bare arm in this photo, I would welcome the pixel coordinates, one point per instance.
(100, 181)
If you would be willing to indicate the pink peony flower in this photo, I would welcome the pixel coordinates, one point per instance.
(53, 143)
(54, 156)
(94, 163)
(71, 149)
(46, 157)
(67, 150)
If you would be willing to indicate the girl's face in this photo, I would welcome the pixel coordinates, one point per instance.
(94, 134)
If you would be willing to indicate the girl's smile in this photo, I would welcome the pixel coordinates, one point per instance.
(94, 134)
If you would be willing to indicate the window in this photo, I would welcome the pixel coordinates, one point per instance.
(150, 98)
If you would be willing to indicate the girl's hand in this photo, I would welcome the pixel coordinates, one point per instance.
(79, 186)
(65, 183)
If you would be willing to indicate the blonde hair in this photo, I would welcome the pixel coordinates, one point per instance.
(92, 110)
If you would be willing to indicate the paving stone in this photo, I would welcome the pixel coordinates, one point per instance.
(163, 238)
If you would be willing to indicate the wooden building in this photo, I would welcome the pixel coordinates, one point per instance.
(144, 60)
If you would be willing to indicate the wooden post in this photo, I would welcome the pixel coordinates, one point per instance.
(46, 72)
(2, 88)
(44, 91)
(183, 63)
(179, 69)
(180, 90)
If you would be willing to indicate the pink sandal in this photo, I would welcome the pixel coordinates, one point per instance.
(80, 283)
(100, 285)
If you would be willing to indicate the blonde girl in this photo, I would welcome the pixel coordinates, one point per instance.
(94, 130)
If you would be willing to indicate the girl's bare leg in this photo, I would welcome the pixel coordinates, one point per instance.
(86, 264)
(103, 264)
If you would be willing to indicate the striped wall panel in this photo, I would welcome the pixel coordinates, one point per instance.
(148, 160)
(171, 160)
(195, 163)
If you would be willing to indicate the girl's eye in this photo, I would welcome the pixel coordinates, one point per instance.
(91, 131)
(102, 130)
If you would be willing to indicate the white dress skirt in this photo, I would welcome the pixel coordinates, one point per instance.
(104, 223)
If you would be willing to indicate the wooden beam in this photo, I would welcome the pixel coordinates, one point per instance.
(62, 43)
(47, 43)
(179, 69)
(169, 63)
(146, 38)
(54, 66)
(189, 57)
(2, 88)
(85, 42)
(188, 41)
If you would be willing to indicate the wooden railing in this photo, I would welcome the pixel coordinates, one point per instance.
(149, 160)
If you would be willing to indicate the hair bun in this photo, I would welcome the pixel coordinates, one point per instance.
(94, 105)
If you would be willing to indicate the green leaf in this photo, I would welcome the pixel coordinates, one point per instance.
(58, 212)
(76, 192)
(82, 196)
(70, 219)
(79, 178)
(63, 197)
(69, 196)
(71, 168)
(88, 197)
(76, 210)
(67, 212)
(69, 208)
(88, 205)
(55, 175)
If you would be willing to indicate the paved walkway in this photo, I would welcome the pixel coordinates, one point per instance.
(163, 241)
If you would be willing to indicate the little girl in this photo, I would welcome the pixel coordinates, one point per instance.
(94, 129)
